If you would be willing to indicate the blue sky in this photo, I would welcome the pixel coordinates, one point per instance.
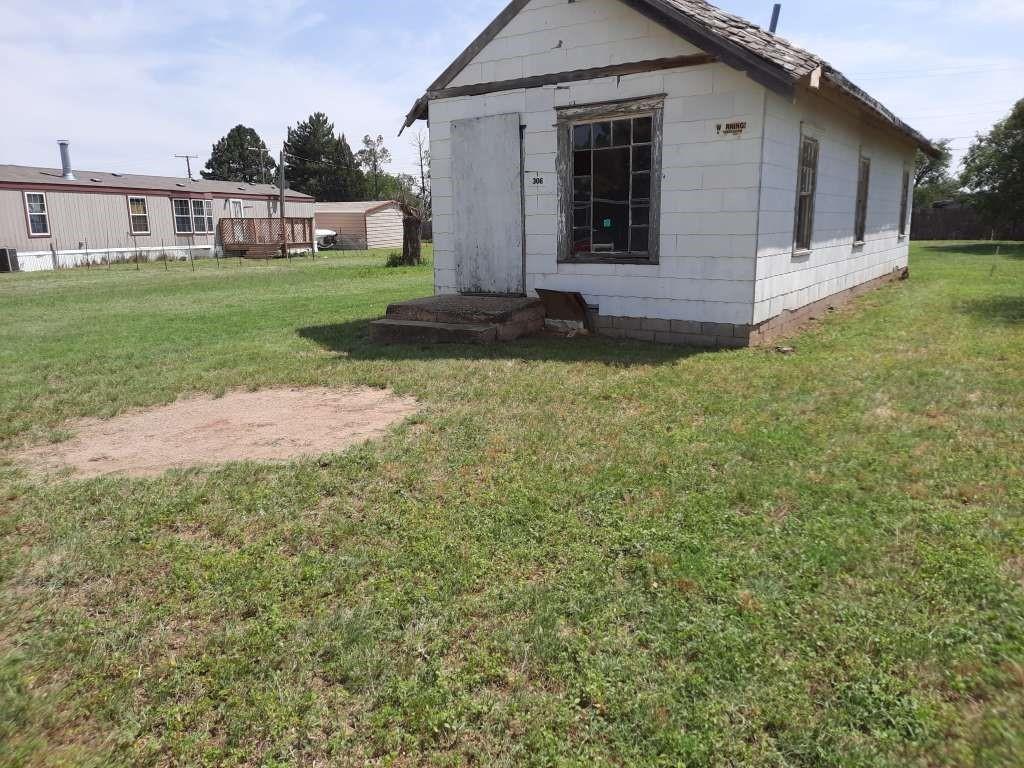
(134, 83)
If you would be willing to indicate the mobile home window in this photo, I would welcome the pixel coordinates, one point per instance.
(182, 217)
(863, 182)
(202, 216)
(237, 209)
(807, 182)
(611, 186)
(903, 203)
(38, 217)
(138, 215)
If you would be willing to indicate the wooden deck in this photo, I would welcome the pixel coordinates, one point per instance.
(265, 238)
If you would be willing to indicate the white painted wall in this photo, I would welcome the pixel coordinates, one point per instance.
(709, 185)
(726, 222)
(786, 280)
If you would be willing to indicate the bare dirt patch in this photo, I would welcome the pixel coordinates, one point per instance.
(271, 425)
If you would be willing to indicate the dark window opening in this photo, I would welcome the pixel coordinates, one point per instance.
(903, 203)
(807, 182)
(861, 217)
(612, 162)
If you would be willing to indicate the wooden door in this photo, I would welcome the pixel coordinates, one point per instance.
(487, 199)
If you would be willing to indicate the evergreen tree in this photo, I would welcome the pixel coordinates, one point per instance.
(320, 163)
(240, 156)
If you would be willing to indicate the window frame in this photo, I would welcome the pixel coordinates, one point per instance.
(29, 214)
(241, 207)
(799, 247)
(570, 116)
(860, 212)
(175, 215)
(205, 216)
(904, 228)
(131, 216)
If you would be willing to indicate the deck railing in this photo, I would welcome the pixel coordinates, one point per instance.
(258, 234)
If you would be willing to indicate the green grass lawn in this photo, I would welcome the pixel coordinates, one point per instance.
(581, 552)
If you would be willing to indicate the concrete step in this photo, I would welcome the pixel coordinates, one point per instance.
(391, 331)
(495, 310)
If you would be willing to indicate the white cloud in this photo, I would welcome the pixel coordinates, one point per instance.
(131, 85)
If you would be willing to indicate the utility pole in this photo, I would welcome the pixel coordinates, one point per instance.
(284, 240)
(188, 163)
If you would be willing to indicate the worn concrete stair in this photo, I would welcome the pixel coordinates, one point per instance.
(458, 320)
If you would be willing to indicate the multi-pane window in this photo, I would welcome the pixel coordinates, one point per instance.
(38, 217)
(182, 217)
(138, 215)
(904, 195)
(807, 182)
(237, 210)
(612, 161)
(202, 216)
(860, 222)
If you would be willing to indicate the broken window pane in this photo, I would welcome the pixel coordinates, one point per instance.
(611, 174)
(602, 134)
(581, 189)
(642, 158)
(611, 225)
(641, 186)
(581, 163)
(639, 239)
(581, 136)
(621, 132)
(642, 129)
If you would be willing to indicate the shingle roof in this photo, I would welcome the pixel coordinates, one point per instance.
(354, 206)
(24, 174)
(768, 58)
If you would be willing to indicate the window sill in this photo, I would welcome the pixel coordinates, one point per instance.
(609, 258)
(803, 253)
(901, 238)
(858, 245)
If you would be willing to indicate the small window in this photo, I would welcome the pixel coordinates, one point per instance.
(38, 216)
(904, 196)
(202, 216)
(611, 186)
(807, 183)
(182, 217)
(138, 215)
(861, 218)
(237, 209)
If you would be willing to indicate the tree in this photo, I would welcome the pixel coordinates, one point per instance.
(994, 171)
(320, 163)
(421, 143)
(373, 157)
(240, 156)
(932, 179)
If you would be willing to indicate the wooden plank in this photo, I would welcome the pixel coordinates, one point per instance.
(575, 75)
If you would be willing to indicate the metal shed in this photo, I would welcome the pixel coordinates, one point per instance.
(369, 224)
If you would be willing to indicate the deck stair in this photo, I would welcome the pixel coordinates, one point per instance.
(459, 320)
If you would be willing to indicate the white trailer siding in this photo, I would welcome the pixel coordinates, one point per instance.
(787, 280)
(87, 226)
(384, 227)
(709, 181)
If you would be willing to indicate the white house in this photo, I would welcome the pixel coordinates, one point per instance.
(697, 179)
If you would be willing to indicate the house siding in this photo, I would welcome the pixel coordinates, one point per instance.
(787, 281)
(709, 181)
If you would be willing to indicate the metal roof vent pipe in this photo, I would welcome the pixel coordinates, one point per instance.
(776, 10)
(65, 160)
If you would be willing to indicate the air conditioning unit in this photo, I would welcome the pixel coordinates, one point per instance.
(8, 260)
